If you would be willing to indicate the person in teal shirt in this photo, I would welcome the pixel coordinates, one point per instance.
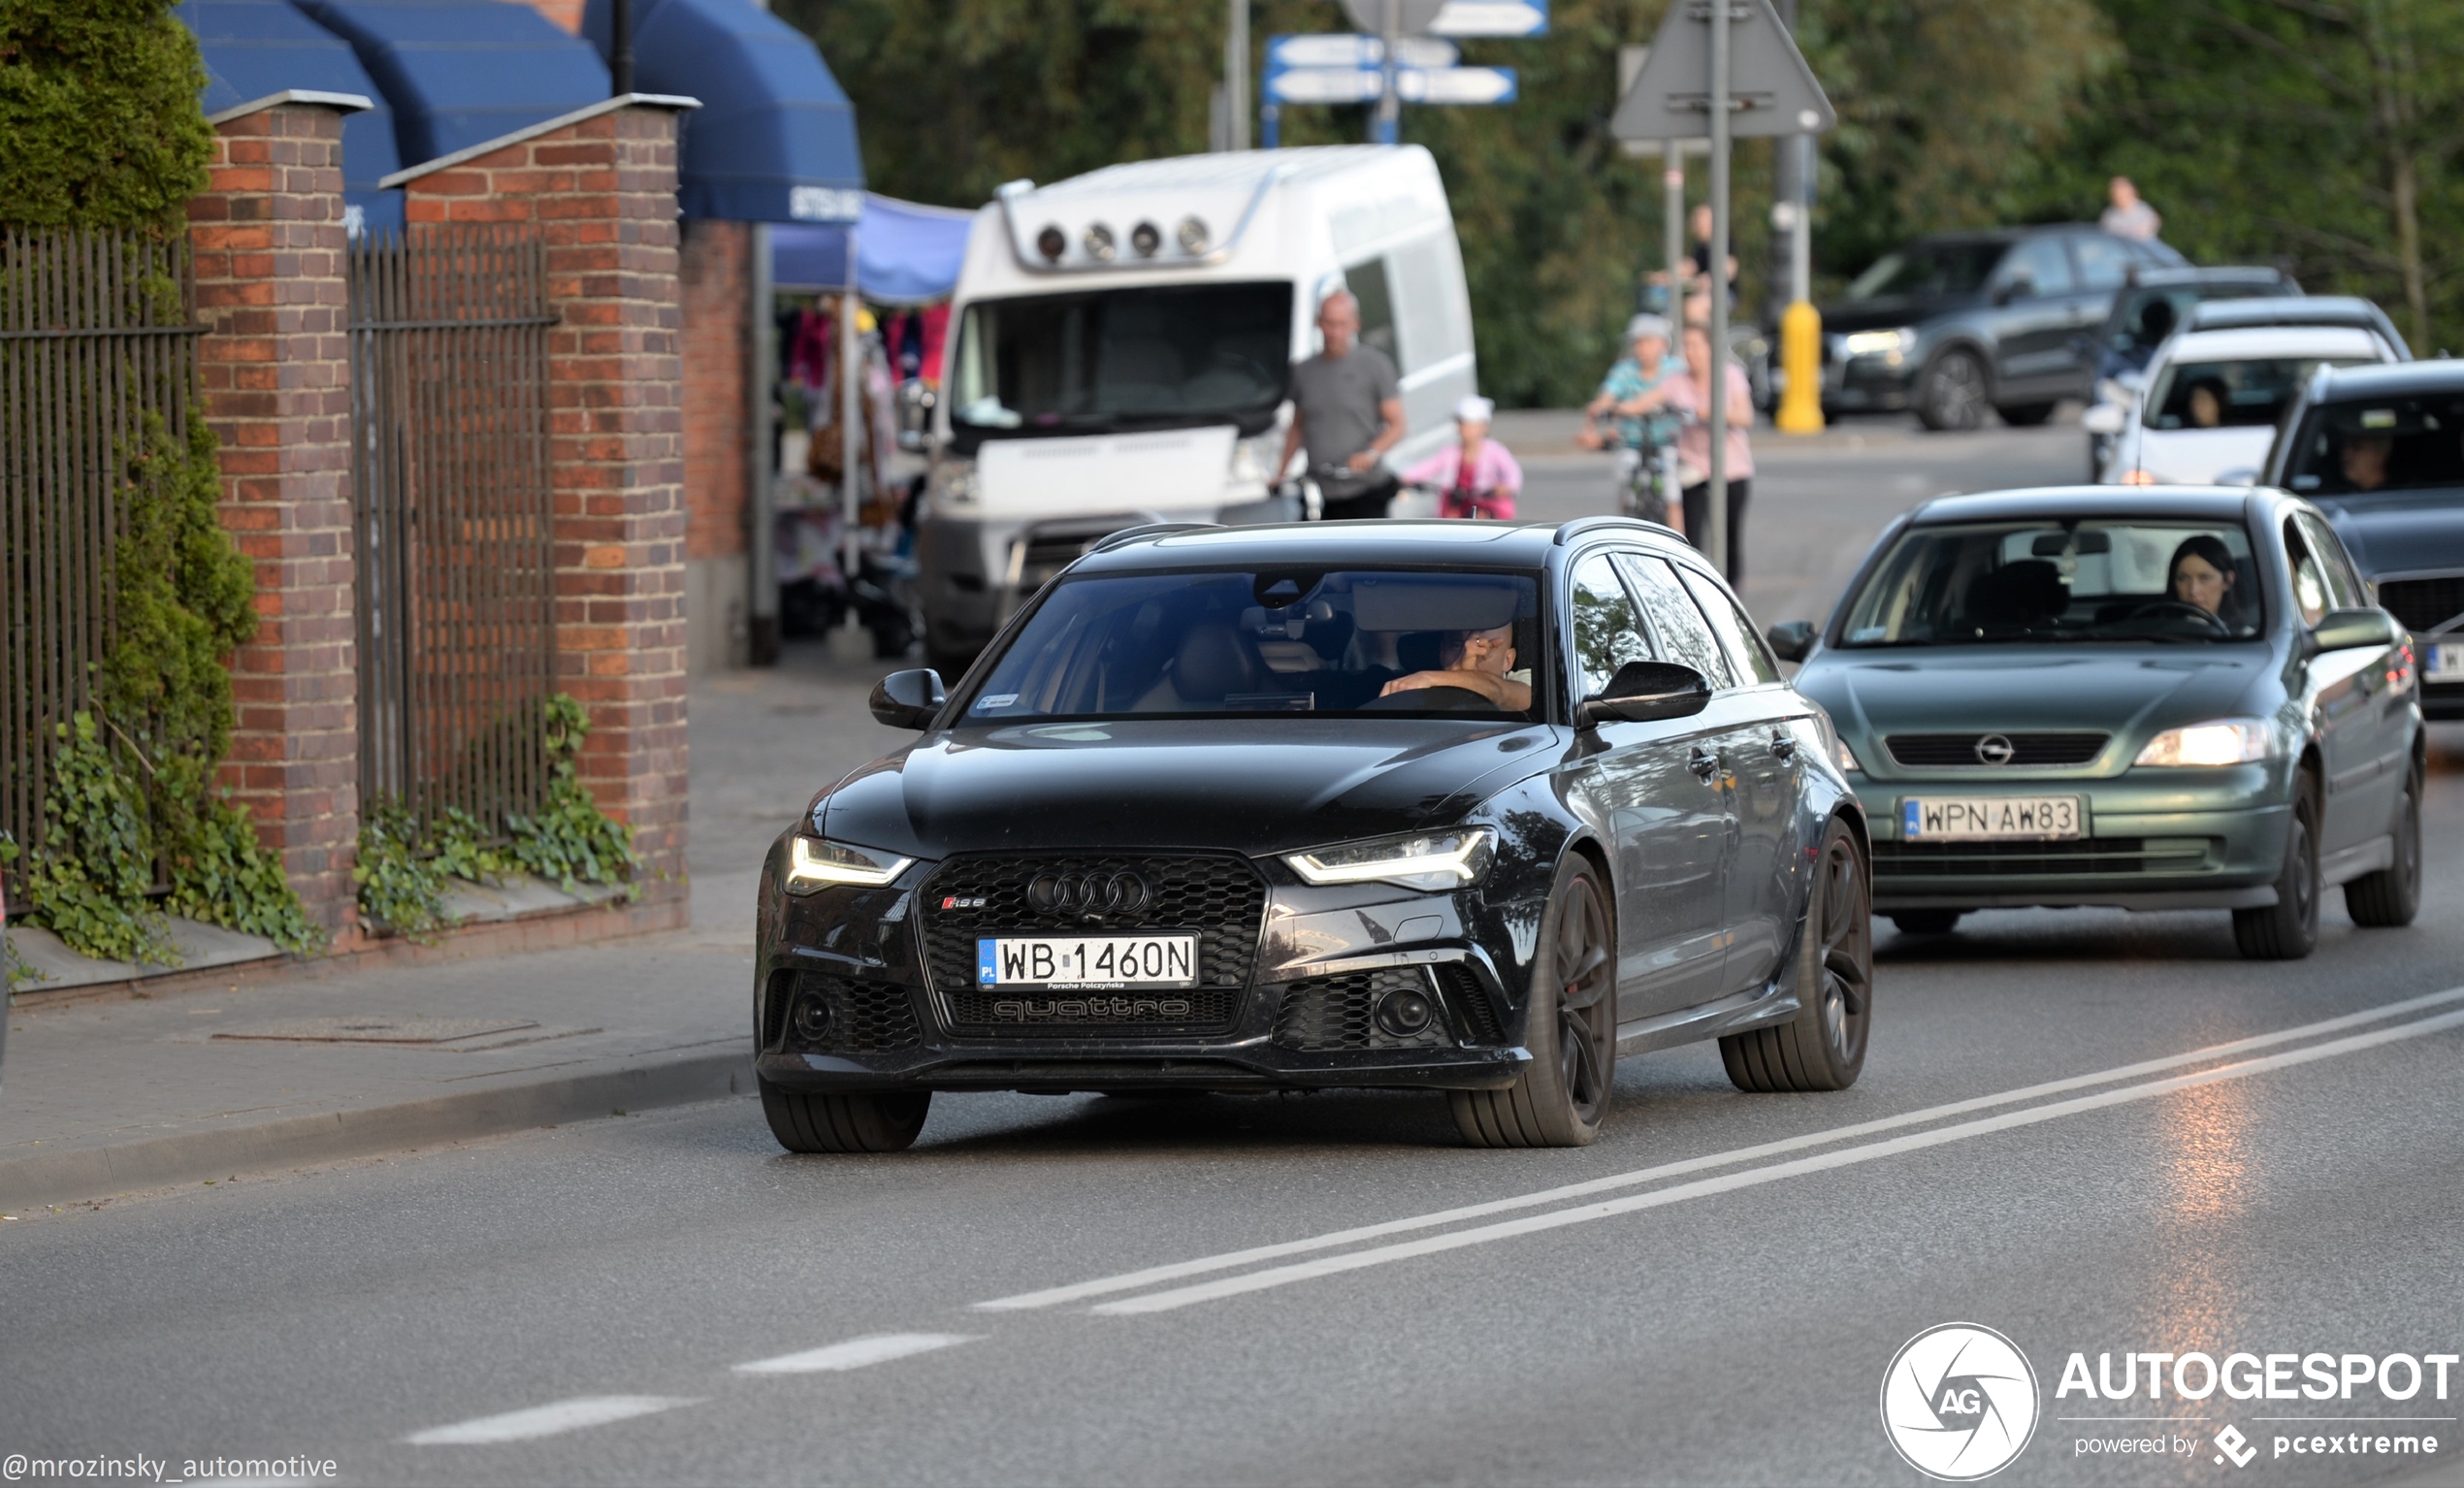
(1633, 436)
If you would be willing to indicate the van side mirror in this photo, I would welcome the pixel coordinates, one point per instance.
(2352, 629)
(1645, 693)
(908, 700)
(1791, 639)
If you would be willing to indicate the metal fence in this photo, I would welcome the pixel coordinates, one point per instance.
(448, 334)
(94, 334)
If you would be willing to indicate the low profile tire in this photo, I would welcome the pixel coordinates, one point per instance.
(1823, 1047)
(2392, 895)
(2026, 415)
(1927, 921)
(1950, 396)
(2287, 929)
(1563, 1093)
(884, 1122)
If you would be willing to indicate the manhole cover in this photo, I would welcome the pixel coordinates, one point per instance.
(381, 1030)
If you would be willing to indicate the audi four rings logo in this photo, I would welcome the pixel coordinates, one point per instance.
(1995, 749)
(1092, 896)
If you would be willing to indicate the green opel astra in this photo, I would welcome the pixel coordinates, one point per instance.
(2162, 698)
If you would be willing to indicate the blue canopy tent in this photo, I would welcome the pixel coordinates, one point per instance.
(256, 48)
(775, 136)
(460, 73)
(905, 253)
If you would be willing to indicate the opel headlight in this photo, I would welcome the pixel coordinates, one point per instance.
(1846, 757)
(1873, 343)
(2221, 742)
(814, 863)
(1427, 860)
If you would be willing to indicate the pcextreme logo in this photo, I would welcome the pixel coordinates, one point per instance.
(1958, 1402)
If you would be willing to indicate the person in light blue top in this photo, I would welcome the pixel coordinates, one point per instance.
(1648, 360)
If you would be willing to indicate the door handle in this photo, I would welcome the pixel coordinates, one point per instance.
(1703, 762)
(1783, 745)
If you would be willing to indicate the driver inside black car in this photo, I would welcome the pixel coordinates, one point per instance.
(1475, 662)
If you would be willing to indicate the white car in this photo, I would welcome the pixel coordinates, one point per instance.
(2209, 408)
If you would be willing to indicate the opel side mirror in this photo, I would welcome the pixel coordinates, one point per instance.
(1791, 639)
(2352, 629)
(1645, 693)
(908, 700)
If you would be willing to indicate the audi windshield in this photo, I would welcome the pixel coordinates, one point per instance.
(1218, 642)
(1156, 357)
(1982, 583)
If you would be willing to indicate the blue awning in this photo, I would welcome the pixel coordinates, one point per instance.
(460, 73)
(775, 138)
(905, 253)
(256, 48)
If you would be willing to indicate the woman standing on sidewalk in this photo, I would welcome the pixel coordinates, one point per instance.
(1686, 395)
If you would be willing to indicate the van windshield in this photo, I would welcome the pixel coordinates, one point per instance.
(1164, 357)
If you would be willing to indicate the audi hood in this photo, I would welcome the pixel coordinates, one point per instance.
(1268, 786)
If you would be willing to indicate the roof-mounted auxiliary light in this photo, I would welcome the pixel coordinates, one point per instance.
(1052, 243)
(1145, 238)
(1100, 245)
(1193, 236)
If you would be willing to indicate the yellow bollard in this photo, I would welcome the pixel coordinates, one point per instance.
(1801, 340)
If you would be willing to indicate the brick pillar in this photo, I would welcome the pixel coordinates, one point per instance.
(602, 182)
(269, 242)
(718, 347)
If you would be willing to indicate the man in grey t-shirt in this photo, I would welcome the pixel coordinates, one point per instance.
(1347, 409)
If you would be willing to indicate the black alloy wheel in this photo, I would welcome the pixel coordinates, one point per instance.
(1823, 1047)
(1951, 397)
(2026, 415)
(1571, 1029)
(2392, 895)
(1927, 921)
(887, 1122)
(2287, 929)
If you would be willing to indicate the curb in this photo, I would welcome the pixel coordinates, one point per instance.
(367, 1131)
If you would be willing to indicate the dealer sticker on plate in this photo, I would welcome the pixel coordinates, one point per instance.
(2446, 662)
(1086, 962)
(1991, 818)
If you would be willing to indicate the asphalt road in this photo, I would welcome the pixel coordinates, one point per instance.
(2148, 1146)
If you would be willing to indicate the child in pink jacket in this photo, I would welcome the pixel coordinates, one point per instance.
(1476, 478)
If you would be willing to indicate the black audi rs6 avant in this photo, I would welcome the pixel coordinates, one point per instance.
(1456, 806)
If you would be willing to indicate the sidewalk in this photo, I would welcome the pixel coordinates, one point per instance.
(343, 1061)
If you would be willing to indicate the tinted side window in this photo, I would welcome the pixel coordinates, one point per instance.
(1608, 632)
(1684, 634)
(2104, 261)
(1735, 628)
(2044, 262)
(2342, 581)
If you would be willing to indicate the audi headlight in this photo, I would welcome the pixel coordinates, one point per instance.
(1873, 343)
(814, 863)
(1427, 860)
(2221, 742)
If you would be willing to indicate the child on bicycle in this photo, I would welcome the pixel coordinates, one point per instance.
(1479, 476)
(1638, 438)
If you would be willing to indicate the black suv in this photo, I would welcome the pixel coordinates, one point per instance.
(1956, 322)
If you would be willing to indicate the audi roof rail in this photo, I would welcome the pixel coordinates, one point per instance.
(1112, 540)
(1569, 531)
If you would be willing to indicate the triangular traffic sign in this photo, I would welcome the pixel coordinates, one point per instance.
(1771, 91)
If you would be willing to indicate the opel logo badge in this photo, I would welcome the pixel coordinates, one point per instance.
(1995, 749)
(1087, 896)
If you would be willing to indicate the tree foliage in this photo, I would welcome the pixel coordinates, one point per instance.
(99, 120)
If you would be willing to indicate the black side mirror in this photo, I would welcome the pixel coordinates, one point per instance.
(908, 700)
(2018, 286)
(1791, 639)
(2352, 629)
(1647, 692)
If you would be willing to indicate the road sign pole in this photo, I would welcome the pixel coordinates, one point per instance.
(1717, 525)
(1386, 120)
(1800, 325)
(1236, 75)
(1673, 226)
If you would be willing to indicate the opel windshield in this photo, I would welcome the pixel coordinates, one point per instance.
(2150, 579)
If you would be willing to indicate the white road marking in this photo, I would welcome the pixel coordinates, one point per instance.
(546, 1420)
(1175, 1270)
(854, 1353)
(1285, 1276)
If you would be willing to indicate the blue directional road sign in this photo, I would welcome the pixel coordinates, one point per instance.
(1334, 68)
(1454, 18)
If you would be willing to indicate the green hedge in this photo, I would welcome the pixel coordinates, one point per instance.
(99, 120)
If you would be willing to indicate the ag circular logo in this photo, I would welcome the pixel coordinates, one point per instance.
(1958, 1402)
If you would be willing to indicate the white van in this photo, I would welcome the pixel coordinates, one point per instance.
(1121, 343)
